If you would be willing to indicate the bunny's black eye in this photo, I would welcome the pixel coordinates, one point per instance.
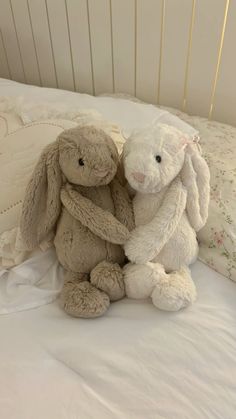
(158, 159)
(81, 162)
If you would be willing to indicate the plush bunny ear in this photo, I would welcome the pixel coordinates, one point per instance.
(42, 205)
(120, 174)
(112, 147)
(196, 178)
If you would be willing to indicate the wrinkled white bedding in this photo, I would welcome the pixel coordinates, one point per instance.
(33, 283)
(123, 112)
(134, 363)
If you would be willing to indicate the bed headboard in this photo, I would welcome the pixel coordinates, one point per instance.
(179, 53)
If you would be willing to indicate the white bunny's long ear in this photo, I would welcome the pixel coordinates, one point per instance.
(196, 179)
(42, 205)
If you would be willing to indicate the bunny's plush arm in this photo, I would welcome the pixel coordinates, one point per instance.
(123, 205)
(146, 241)
(100, 222)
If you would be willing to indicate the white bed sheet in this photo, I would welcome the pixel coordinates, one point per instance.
(134, 363)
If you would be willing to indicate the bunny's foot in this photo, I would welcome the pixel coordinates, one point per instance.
(141, 279)
(175, 292)
(169, 292)
(108, 277)
(80, 298)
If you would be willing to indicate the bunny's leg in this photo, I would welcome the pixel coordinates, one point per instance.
(108, 277)
(80, 298)
(176, 291)
(141, 279)
(170, 292)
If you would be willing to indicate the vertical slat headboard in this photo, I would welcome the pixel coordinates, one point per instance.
(177, 53)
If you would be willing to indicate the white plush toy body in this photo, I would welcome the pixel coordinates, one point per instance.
(171, 180)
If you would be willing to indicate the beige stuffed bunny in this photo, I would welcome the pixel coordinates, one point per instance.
(74, 188)
(171, 180)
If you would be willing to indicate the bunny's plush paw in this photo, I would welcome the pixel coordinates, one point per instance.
(138, 249)
(177, 291)
(83, 300)
(122, 234)
(169, 292)
(141, 280)
(108, 277)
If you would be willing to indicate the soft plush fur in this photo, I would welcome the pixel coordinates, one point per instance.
(75, 187)
(171, 179)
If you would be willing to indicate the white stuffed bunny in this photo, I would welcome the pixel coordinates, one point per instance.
(171, 180)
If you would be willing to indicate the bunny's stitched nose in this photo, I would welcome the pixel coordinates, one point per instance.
(138, 176)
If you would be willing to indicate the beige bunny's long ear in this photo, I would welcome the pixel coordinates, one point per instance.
(112, 147)
(120, 173)
(41, 207)
(196, 179)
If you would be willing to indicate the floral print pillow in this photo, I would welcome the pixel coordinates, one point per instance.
(217, 239)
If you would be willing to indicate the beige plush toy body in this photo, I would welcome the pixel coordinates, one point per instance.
(171, 180)
(74, 187)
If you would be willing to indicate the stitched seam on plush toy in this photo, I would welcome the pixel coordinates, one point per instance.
(10, 207)
(35, 124)
(6, 122)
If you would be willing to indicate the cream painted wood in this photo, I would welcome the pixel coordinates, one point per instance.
(26, 41)
(203, 55)
(149, 18)
(99, 46)
(4, 67)
(100, 30)
(123, 34)
(61, 43)
(11, 42)
(177, 23)
(41, 34)
(224, 104)
(80, 44)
